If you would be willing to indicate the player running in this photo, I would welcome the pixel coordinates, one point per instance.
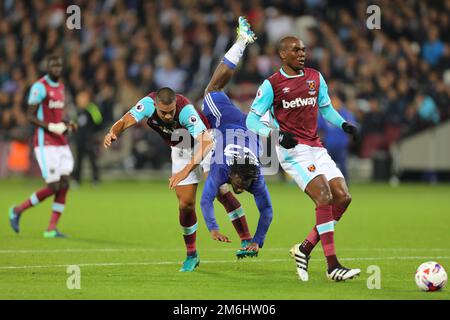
(235, 159)
(51, 148)
(294, 95)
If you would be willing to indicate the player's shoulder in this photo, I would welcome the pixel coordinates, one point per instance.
(275, 76)
(311, 72)
(182, 101)
(152, 95)
(39, 86)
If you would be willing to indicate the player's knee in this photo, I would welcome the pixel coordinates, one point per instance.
(65, 182)
(54, 186)
(186, 205)
(212, 87)
(345, 200)
(342, 199)
(324, 198)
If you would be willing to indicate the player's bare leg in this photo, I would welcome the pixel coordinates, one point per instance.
(225, 70)
(341, 197)
(188, 220)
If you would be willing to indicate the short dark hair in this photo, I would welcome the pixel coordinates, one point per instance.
(53, 57)
(245, 167)
(165, 95)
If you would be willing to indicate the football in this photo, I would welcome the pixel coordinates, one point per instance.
(431, 276)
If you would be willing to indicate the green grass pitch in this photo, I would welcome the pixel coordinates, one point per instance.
(126, 239)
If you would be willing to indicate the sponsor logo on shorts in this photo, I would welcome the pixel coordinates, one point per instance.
(312, 168)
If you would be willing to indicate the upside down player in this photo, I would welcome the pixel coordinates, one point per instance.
(46, 108)
(166, 112)
(294, 95)
(235, 158)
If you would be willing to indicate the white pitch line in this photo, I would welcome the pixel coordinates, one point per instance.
(249, 260)
(87, 250)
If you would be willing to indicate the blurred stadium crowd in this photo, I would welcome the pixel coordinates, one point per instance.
(395, 80)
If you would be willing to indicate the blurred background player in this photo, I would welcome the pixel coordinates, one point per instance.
(167, 112)
(243, 174)
(46, 111)
(294, 95)
(89, 123)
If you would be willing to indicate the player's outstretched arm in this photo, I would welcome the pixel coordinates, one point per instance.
(264, 204)
(210, 191)
(121, 125)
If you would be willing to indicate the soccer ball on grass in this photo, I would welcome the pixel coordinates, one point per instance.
(431, 276)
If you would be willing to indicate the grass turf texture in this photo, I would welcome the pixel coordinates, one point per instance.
(127, 241)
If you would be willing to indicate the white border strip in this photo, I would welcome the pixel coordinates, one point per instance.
(153, 263)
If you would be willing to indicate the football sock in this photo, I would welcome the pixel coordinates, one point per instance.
(235, 53)
(34, 199)
(337, 213)
(313, 237)
(188, 221)
(58, 208)
(325, 228)
(236, 214)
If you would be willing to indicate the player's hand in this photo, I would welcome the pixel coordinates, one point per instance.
(109, 138)
(286, 139)
(351, 129)
(71, 127)
(253, 246)
(218, 236)
(177, 178)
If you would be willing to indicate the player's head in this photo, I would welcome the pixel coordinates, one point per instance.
(54, 67)
(83, 98)
(243, 171)
(292, 52)
(166, 104)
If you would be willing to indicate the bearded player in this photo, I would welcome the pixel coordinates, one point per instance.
(294, 95)
(46, 108)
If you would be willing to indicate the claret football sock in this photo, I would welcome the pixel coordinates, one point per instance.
(58, 208)
(338, 212)
(188, 221)
(236, 214)
(325, 228)
(313, 238)
(34, 199)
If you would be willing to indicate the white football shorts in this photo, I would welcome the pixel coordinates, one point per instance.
(54, 162)
(181, 157)
(303, 163)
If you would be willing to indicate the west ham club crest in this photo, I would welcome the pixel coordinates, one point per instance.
(311, 87)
